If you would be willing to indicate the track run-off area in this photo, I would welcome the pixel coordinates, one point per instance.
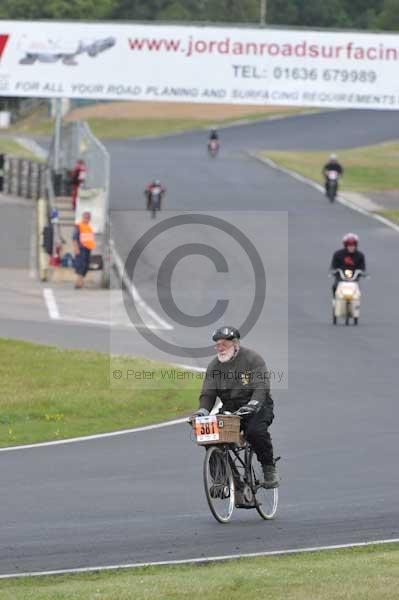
(138, 497)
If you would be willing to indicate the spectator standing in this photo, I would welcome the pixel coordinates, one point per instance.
(84, 242)
(78, 178)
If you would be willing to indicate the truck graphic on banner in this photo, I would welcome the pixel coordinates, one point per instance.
(54, 50)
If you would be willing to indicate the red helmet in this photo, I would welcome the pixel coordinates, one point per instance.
(350, 239)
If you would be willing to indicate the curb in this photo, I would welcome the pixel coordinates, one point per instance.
(41, 212)
(340, 198)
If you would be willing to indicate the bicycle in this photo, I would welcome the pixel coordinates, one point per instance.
(232, 473)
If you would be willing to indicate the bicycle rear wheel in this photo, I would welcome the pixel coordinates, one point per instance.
(219, 484)
(266, 500)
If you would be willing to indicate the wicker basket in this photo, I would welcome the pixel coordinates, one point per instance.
(229, 431)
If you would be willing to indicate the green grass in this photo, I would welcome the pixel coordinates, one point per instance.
(40, 124)
(47, 393)
(126, 128)
(367, 169)
(364, 573)
(37, 123)
(393, 215)
(9, 146)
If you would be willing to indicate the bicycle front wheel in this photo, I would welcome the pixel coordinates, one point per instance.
(219, 484)
(266, 500)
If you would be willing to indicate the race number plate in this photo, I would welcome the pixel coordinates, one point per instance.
(207, 429)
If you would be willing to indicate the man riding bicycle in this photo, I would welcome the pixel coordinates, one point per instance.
(239, 378)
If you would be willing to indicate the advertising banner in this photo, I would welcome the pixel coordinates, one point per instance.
(199, 64)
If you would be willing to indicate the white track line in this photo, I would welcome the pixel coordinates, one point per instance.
(97, 436)
(138, 300)
(87, 321)
(341, 199)
(193, 561)
(32, 146)
(51, 303)
(89, 438)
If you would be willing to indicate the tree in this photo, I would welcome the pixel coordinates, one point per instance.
(313, 13)
(389, 16)
(281, 12)
(362, 13)
(55, 9)
(140, 10)
(176, 11)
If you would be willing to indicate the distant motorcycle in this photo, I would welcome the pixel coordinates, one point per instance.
(332, 184)
(213, 147)
(346, 303)
(154, 200)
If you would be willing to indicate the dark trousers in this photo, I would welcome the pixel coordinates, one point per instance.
(82, 261)
(256, 432)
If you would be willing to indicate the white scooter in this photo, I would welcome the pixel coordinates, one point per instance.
(213, 147)
(332, 185)
(346, 303)
(154, 200)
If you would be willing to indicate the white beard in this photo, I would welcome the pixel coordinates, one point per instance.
(226, 356)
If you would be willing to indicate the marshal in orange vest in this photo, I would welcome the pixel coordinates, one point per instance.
(86, 235)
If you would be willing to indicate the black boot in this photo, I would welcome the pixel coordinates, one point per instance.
(271, 476)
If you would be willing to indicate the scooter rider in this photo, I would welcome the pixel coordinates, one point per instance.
(151, 187)
(239, 378)
(348, 257)
(332, 165)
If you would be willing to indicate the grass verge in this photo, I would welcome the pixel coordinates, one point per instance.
(38, 124)
(367, 169)
(48, 394)
(127, 128)
(370, 573)
(10, 146)
(393, 215)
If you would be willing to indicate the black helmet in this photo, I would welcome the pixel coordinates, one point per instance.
(226, 333)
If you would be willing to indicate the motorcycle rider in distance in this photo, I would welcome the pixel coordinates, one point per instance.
(154, 186)
(214, 135)
(239, 378)
(213, 142)
(332, 165)
(348, 257)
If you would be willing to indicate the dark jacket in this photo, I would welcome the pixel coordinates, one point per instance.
(342, 259)
(236, 382)
(333, 166)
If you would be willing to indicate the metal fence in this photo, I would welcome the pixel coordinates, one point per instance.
(77, 141)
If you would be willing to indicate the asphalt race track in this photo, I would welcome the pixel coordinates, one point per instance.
(138, 497)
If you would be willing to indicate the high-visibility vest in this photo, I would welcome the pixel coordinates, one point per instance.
(86, 236)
